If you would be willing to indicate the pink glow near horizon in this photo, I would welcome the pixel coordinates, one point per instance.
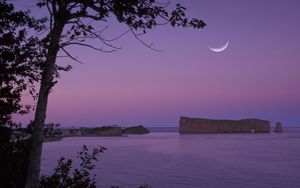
(258, 75)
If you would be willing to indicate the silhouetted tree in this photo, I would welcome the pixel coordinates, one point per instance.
(73, 22)
(20, 58)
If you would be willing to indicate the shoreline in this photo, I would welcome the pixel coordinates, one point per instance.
(54, 139)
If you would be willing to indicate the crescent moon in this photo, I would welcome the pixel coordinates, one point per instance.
(220, 49)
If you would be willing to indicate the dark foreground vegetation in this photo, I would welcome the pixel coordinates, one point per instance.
(29, 48)
(14, 161)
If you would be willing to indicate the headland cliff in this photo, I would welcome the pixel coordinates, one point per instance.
(199, 125)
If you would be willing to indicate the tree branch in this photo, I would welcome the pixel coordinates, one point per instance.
(136, 36)
(68, 54)
(118, 37)
(51, 16)
(98, 36)
(87, 45)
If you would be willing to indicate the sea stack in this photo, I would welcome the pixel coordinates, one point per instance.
(199, 125)
(278, 128)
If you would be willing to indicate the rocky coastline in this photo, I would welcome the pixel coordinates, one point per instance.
(111, 130)
(140, 129)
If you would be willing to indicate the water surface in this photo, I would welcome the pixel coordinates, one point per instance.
(168, 159)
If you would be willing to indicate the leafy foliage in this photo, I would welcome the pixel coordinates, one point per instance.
(139, 16)
(20, 58)
(49, 129)
(14, 157)
(63, 176)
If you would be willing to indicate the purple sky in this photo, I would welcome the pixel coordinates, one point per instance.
(257, 76)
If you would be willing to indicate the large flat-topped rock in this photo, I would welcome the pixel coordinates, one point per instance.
(198, 125)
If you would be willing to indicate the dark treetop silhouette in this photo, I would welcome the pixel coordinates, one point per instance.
(20, 57)
(21, 54)
(72, 22)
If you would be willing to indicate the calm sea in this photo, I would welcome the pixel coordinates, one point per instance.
(166, 159)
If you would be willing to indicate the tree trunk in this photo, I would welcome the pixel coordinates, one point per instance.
(33, 173)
